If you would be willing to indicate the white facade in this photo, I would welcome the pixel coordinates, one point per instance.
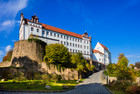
(75, 43)
(102, 54)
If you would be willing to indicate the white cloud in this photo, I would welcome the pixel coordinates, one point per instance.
(13, 40)
(8, 48)
(132, 56)
(8, 23)
(9, 10)
(12, 7)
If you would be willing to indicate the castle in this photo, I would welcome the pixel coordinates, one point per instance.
(73, 41)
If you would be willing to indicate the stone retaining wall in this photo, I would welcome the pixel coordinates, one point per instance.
(30, 55)
(5, 64)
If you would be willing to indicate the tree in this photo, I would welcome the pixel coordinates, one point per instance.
(123, 61)
(8, 56)
(57, 54)
(131, 66)
(80, 64)
(137, 64)
(112, 70)
(126, 73)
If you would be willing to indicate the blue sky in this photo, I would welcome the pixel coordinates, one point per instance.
(114, 23)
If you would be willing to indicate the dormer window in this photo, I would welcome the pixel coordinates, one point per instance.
(32, 29)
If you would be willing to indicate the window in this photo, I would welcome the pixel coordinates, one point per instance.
(64, 43)
(70, 38)
(32, 29)
(67, 38)
(76, 51)
(51, 34)
(87, 47)
(73, 50)
(43, 32)
(87, 42)
(87, 52)
(67, 43)
(61, 36)
(70, 50)
(70, 44)
(61, 42)
(81, 41)
(81, 46)
(58, 35)
(37, 30)
(84, 52)
(76, 40)
(47, 33)
(73, 44)
(84, 41)
(84, 47)
(78, 45)
(54, 34)
(73, 39)
(64, 37)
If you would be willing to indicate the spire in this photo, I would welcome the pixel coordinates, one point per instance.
(21, 16)
(34, 14)
(86, 32)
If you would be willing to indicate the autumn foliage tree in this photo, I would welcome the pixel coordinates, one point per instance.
(123, 61)
(8, 56)
(80, 64)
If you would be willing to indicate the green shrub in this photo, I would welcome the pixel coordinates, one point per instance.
(37, 41)
(56, 77)
(133, 90)
(138, 73)
(46, 78)
(30, 74)
(19, 76)
(37, 76)
(126, 73)
(105, 72)
(120, 85)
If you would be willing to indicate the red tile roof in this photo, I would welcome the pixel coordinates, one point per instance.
(97, 51)
(62, 31)
(55, 29)
(104, 47)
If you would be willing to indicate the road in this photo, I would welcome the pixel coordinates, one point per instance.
(91, 85)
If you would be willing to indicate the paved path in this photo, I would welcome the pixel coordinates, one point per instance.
(91, 85)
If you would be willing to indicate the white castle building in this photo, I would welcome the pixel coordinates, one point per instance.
(49, 34)
(102, 54)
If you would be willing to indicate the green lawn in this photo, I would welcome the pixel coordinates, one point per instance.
(36, 85)
(118, 92)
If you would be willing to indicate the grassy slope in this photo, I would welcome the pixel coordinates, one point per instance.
(36, 85)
